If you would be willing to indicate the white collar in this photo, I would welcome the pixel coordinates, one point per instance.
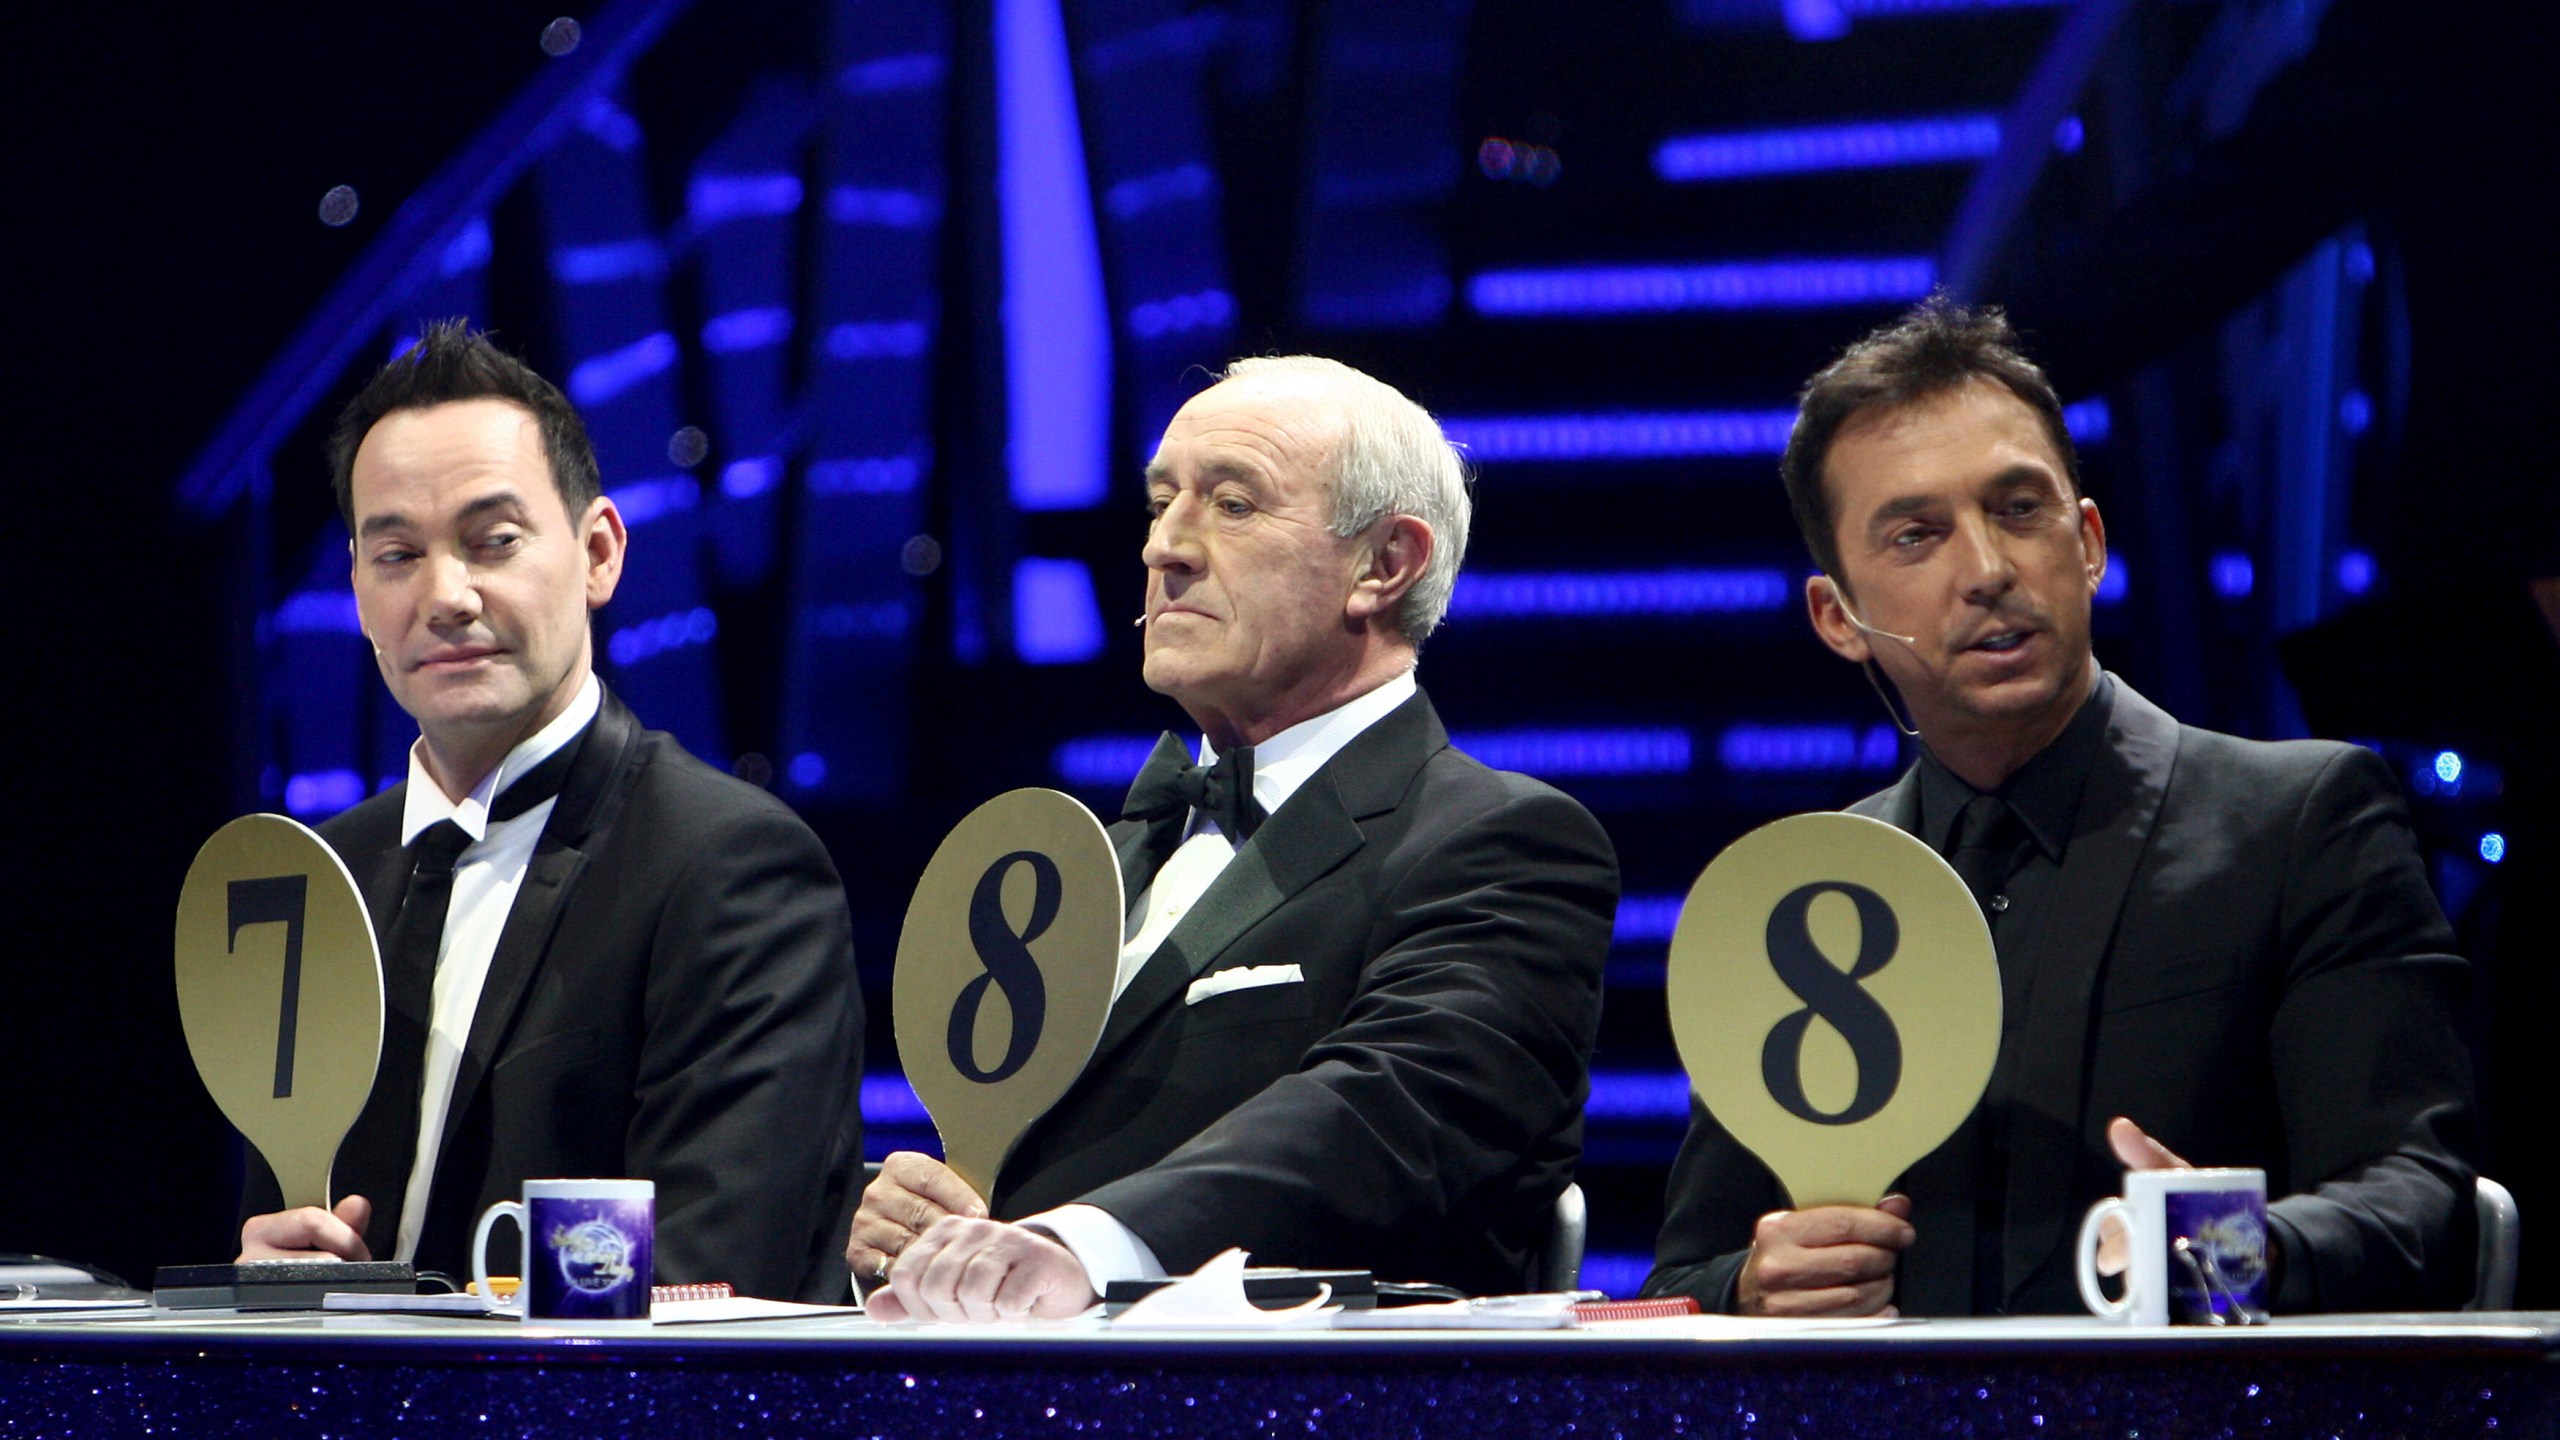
(426, 803)
(1286, 761)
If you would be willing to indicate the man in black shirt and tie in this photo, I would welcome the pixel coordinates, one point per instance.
(2210, 948)
(600, 956)
(1361, 976)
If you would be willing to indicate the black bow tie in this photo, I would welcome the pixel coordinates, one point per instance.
(1171, 786)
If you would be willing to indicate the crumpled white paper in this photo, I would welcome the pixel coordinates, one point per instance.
(1212, 1298)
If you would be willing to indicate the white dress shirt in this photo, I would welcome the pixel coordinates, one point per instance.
(486, 877)
(1107, 1249)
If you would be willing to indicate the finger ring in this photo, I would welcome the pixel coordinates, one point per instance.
(881, 1270)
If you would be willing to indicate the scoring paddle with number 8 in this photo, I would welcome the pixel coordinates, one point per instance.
(1834, 996)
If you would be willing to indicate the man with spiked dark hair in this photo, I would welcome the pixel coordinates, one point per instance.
(2210, 948)
(601, 957)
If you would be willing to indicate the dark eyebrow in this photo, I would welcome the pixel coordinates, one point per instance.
(502, 500)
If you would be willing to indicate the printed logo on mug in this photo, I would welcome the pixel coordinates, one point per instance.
(586, 1251)
(2196, 1246)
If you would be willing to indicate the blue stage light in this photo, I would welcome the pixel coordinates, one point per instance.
(2493, 847)
(642, 501)
(635, 259)
(636, 643)
(1057, 324)
(1100, 762)
(893, 74)
(599, 378)
(738, 331)
(2355, 572)
(1177, 314)
(1808, 749)
(714, 199)
(1056, 620)
(2088, 421)
(890, 1100)
(317, 612)
(1560, 753)
(746, 479)
(1644, 436)
(878, 620)
(878, 339)
(1636, 436)
(1734, 285)
(1638, 1096)
(2234, 575)
(809, 771)
(1647, 919)
(866, 475)
(1620, 1276)
(324, 793)
(2448, 767)
(2113, 584)
(1633, 592)
(1851, 145)
(890, 208)
(1138, 194)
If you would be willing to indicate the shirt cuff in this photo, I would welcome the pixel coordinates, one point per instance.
(1107, 1249)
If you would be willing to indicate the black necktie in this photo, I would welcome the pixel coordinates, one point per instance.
(1990, 844)
(383, 1144)
(1170, 786)
(374, 1162)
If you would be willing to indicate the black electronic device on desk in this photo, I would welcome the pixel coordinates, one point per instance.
(277, 1284)
(1269, 1288)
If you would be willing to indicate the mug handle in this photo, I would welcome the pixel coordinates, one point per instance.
(513, 1305)
(2090, 1295)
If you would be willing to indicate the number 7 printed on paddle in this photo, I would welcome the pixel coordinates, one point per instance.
(1005, 971)
(1834, 994)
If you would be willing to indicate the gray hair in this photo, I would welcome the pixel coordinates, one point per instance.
(1391, 460)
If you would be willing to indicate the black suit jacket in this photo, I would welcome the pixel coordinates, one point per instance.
(2241, 954)
(1414, 1105)
(673, 998)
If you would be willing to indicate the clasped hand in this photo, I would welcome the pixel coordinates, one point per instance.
(923, 1231)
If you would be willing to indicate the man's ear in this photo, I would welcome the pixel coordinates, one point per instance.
(602, 536)
(1399, 550)
(1828, 607)
(2093, 543)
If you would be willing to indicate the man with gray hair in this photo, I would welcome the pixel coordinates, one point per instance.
(1356, 1005)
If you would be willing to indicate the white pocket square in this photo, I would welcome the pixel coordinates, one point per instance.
(1243, 977)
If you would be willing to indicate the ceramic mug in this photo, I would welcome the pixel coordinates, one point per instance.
(2198, 1248)
(586, 1251)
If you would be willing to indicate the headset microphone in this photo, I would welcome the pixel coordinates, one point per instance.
(1875, 682)
(1870, 629)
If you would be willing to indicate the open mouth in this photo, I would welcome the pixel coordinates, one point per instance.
(2000, 643)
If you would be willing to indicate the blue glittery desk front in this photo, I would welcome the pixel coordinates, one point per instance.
(373, 1376)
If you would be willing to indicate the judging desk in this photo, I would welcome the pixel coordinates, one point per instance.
(357, 1375)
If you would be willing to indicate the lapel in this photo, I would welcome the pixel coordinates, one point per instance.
(1315, 831)
(589, 798)
(2118, 811)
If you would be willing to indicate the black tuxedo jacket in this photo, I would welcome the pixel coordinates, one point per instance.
(673, 998)
(2242, 955)
(1413, 1105)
